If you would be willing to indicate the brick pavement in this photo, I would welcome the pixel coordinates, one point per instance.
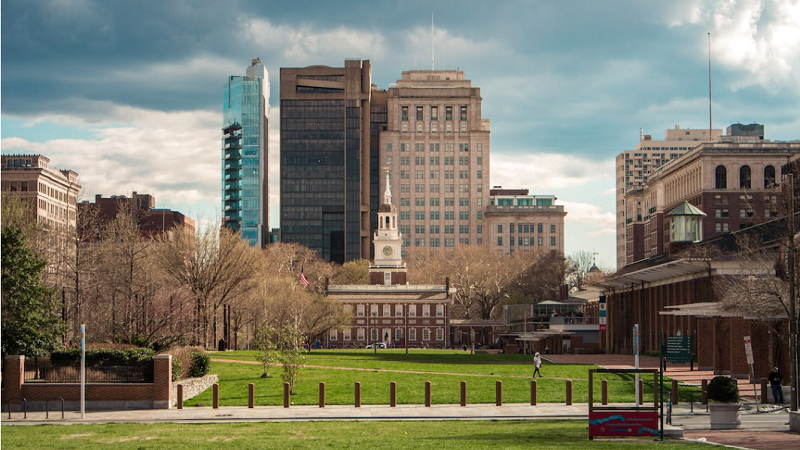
(756, 440)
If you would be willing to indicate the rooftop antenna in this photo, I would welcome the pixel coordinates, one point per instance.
(433, 46)
(710, 116)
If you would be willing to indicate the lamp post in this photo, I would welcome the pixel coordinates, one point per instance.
(405, 333)
(792, 297)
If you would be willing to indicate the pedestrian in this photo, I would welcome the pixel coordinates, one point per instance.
(775, 379)
(537, 364)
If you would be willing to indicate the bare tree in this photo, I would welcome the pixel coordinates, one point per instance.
(578, 265)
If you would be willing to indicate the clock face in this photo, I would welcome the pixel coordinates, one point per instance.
(387, 250)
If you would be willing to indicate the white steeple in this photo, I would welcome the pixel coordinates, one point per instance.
(387, 194)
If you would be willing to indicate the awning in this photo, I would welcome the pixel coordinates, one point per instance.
(672, 269)
(707, 309)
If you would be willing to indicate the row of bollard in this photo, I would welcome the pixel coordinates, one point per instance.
(392, 394)
(463, 391)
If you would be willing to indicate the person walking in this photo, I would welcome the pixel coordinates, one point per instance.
(537, 364)
(775, 379)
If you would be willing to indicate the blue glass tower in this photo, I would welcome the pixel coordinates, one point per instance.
(245, 151)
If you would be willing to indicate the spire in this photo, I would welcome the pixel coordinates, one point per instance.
(387, 194)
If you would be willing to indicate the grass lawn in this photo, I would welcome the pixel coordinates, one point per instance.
(445, 369)
(542, 435)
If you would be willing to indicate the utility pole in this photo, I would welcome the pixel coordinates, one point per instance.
(792, 296)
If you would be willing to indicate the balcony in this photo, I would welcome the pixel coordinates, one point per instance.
(233, 177)
(232, 155)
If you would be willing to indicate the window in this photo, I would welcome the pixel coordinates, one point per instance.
(449, 201)
(439, 310)
(426, 334)
(434, 229)
(448, 160)
(418, 115)
(434, 201)
(552, 228)
(480, 229)
(463, 113)
(334, 334)
(389, 147)
(434, 148)
(360, 334)
(500, 228)
(434, 242)
(434, 215)
(398, 334)
(463, 201)
(398, 310)
(373, 335)
(540, 241)
(346, 334)
(412, 334)
(539, 228)
(448, 113)
(449, 242)
(360, 310)
(434, 113)
(449, 215)
(499, 240)
(463, 215)
(374, 310)
(552, 241)
(387, 310)
(404, 113)
(721, 177)
(769, 176)
(744, 177)
(412, 310)
(440, 334)
(463, 229)
(449, 229)
(434, 160)
(426, 310)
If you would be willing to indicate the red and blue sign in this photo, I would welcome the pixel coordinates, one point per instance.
(623, 423)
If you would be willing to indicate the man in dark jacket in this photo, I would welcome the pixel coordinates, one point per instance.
(775, 379)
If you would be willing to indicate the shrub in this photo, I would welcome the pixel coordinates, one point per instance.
(106, 357)
(723, 389)
(184, 355)
(201, 364)
(176, 370)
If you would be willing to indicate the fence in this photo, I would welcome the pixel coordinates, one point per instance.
(47, 371)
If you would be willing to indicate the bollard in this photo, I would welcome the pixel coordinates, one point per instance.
(704, 392)
(640, 400)
(357, 402)
(764, 391)
(393, 394)
(215, 399)
(285, 395)
(604, 392)
(674, 394)
(498, 393)
(180, 396)
(322, 395)
(251, 397)
(428, 394)
(463, 393)
(569, 392)
(533, 392)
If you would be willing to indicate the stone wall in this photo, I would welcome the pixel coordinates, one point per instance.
(192, 387)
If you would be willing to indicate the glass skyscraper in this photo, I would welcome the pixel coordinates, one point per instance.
(245, 152)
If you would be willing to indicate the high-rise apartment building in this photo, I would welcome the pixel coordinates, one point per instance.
(245, 152)
(633, 168)
(51, 193)
(519, 222)
(436, 145)
(329, 181)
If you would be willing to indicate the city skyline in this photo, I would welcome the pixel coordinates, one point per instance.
(128, 95)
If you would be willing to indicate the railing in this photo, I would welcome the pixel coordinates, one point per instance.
(46, 371)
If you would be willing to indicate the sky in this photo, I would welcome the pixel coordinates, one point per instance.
(129, 93)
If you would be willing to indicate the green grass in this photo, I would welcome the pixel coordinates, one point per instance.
(542, 435)
(445, 369)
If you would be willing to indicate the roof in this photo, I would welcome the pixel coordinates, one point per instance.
(686, 209)
(706, 309)
(670, 269)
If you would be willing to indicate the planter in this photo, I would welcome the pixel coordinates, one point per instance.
(724, 416)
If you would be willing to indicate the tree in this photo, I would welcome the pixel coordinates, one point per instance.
(352, 272)
(29, 322)
(290, 348)
(579, 264)
(264, 341)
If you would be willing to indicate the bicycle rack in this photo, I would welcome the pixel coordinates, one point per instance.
(47, 406)
(24, 406)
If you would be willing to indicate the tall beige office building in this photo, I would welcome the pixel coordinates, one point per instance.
(634, 166)
(436, 145)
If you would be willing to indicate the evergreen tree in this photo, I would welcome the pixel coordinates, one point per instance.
(30, 325)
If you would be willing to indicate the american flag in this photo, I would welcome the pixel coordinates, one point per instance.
(303, 279)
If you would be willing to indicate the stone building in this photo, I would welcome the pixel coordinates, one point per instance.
(517, 221)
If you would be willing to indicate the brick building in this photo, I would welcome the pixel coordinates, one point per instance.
(152, 221)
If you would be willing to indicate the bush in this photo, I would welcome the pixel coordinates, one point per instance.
(201, 364)
(184, 355)
(723, 389)
(176, 370)
(106, 357)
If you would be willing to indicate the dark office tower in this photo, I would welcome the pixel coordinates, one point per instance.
(326, 173)
(245, 152)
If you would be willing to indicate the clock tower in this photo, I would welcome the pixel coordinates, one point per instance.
(388, 267)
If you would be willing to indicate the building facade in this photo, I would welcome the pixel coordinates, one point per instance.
(633, 169)
(329, 181)
(51, 193)
(389, 310)
(152, 221)
(245, 153)
(732, 181)
(517, 221)
(436, 145)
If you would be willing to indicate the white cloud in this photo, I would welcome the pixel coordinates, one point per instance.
(305, 44)
(602, 221)
(173, 156)
(545, 173)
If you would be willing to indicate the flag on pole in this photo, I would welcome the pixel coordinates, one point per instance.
(303, 279)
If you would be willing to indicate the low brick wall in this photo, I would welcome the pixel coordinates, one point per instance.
(192, 387)
(155, 395)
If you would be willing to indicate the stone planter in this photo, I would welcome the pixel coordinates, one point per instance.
(724, 416)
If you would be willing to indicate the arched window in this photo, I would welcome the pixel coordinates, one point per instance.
(769, 176)
(721, 177)
(744, 177)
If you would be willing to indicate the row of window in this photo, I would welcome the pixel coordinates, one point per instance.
(434, 188)
(398, 334)
(433, 147)
(526, 228)
(436, 242)
(435, 229)
(433, 113)
(434, 215)
(434, 160)
(745, 177)
(434, 174)
(525, 241)
(436, 201)
(413, 310)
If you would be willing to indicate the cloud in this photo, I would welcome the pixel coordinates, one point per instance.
(545, 173)
(602, 221)
(173, 156)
